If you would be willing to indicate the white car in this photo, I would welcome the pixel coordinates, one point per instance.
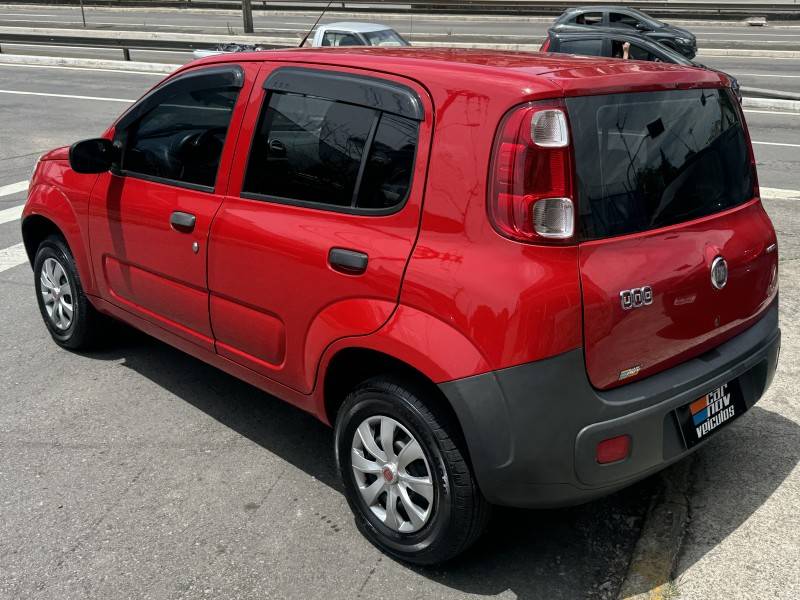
(351, 33)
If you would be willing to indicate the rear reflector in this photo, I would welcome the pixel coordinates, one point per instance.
(613, 449)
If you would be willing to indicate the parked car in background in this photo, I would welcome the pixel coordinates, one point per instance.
(532, 304)
(225, 49)
(610, 45)
(631, 20)
(353, 33)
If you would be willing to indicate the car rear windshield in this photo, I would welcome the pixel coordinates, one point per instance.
(653, 159)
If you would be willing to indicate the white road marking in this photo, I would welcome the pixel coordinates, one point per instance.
(11, 214)
(3, 64)
(777, 144)
(66, 96)
(12, 256)
(778, 194)
(13, 188)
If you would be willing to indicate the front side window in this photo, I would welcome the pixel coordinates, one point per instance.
(181, 137)
(322, 152)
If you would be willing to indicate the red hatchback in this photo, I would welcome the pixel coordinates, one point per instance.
(505, 278)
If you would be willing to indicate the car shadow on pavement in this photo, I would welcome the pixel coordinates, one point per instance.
(734, 475)
(578, 552)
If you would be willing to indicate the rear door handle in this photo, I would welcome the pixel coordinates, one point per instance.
(347, 261)
(182, 221)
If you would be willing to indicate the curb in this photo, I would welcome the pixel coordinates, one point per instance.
(771, 104)
(749, 53)
(771, 94)
(87, 63)
(649, 575)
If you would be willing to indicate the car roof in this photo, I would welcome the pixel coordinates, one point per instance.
(356, 26)
(468, 70)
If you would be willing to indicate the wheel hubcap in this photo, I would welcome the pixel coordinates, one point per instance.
(392, 474)
(56, 293)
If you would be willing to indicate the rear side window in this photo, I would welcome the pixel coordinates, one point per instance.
(622, 20)
(582, 47)
(654, 159)
(325, 153)
(589, 18)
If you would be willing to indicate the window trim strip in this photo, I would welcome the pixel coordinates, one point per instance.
(370, 92)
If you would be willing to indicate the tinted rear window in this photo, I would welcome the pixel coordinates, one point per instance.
(654, 159)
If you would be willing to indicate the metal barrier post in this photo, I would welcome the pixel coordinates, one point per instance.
(126, 54)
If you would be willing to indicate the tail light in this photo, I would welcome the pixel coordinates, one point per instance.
(530, 190)
(545, 45)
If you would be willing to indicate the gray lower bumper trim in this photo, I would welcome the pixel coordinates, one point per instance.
(532, 430)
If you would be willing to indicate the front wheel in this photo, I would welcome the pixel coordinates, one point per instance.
(406, 477)
(69, 316)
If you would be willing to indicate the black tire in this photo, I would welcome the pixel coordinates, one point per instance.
(460, 512)
(83, 331)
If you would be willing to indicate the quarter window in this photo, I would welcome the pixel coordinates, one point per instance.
(181, 137)
(322, 152)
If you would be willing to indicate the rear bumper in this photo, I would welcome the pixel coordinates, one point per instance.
(532, 430)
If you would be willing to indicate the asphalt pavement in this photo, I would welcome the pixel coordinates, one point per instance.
(139, 472)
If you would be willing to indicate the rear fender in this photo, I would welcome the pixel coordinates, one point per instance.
(420, 340)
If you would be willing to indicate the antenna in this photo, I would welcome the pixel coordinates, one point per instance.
(327, 6)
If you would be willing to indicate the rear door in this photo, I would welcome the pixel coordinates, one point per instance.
(678, 253)
(313, 237)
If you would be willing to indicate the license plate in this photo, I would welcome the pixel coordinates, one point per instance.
(708, 414)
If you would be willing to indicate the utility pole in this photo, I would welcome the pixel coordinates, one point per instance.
(247, 16)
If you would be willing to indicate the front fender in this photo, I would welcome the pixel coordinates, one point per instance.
(47, 202)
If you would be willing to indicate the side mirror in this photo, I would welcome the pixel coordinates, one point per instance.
(642, 26)
(92, 156)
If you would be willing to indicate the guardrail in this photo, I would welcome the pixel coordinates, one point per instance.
(727, 10)
(127, 41)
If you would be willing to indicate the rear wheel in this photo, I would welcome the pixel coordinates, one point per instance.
(67, 313)
(406, 478)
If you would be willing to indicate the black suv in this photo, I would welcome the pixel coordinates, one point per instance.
(609, 44)
(616, 18)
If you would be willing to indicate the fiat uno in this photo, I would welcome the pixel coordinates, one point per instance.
(503, 278)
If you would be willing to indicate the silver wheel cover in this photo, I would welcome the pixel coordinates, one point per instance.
(392, 474)
(57, 294)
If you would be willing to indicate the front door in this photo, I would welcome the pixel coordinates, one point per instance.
(323, 208)
(150, 217)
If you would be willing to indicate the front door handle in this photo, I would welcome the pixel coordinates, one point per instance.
(351, 262)
(182, 221)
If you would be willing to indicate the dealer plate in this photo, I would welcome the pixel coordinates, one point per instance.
(708, 414)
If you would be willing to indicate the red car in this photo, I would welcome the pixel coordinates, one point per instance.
(504, 278)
